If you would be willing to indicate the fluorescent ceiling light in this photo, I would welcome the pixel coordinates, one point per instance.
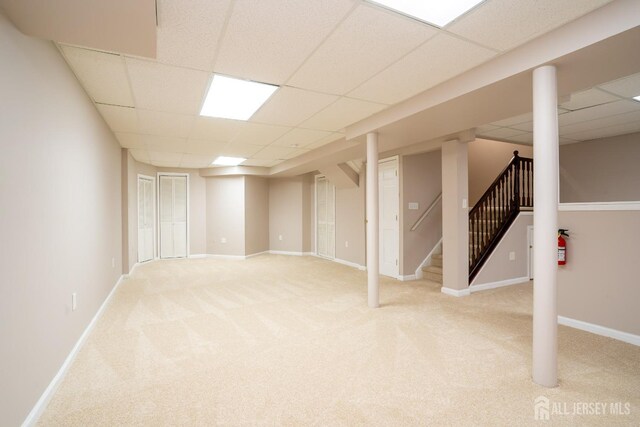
(436, 12)
(230, 98)
(228, 161)
(637, 98)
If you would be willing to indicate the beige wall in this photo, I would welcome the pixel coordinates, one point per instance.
(421, 183)
(602, 170)
(60, 216)
(499, 267)
(225, 215)
(256, 215)
(286, 214)
(599, 284)
(350, 225)
(486, 160)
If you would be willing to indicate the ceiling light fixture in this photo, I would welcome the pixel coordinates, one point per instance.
(228, 161)
(230, 98)
(435, 12)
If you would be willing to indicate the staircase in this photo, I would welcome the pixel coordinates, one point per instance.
(490, 218)
(499, 206)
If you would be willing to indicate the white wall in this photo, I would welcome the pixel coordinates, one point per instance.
(60, 216)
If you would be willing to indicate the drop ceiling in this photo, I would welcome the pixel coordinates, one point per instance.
(337, 62)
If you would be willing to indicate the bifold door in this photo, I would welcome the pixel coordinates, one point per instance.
(146, 218)
(173, 190)
(325, 218)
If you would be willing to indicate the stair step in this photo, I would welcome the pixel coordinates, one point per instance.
(434, 277)
(436, 262)
(437, 256)
(432, 269)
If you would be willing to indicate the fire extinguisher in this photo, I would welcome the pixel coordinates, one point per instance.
(562, 246)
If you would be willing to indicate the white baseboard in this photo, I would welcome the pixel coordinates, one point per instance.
(289, 253)
(349, 263)
(499, 284)
(419, 274)
(455, 292)
(198, 256)
(256, 254)
(600, 330)
(48, 393)
(407, 278)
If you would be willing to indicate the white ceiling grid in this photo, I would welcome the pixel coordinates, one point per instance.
(337, 62)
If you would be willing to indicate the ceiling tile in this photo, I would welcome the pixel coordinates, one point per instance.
(588, 98)
(525, 137)
(164, 143)
(103, 75)
(162, 158)
(258, 41)
(188, 33)
(119, 119)
(342, 113)
(502, 133)
(618, 119)
(485, 128)
(166, 88)
(140, 155)
(130, 140)
(166, 124)
(300, 137)
(419, 71)
(261, 162)
(241, 150)
(597, 112)
(259, 134)
(214, 129)
(526, 126)
(196, 160)
(627, 87)
(326, 140)
(523, 118)
(605, 132)
(204, 147)
(295, 153)
(504, 24)
(273, 153)
(290, 106)
(369, 40)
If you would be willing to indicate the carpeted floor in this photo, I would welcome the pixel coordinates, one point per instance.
(278, 340)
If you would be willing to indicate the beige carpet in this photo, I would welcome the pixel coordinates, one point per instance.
(277, 340)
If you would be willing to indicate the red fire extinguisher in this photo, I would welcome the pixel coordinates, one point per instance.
(562, 246)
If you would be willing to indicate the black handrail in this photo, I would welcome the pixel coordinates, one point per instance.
(496, 210)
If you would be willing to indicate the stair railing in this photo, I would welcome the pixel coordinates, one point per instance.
(426, 212)
(496, 210)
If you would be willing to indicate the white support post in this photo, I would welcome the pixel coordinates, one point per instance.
(545, 218)
(372, 221)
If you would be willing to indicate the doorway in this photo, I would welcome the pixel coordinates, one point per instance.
(389, 224)
(173, 190)
(146, 218)
(325, 218)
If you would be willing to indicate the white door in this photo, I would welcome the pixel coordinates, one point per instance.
(389, 199)
(325, 218)
(173, 190)
(146, 218)
(530, 250)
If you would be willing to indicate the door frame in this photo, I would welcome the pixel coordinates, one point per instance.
(398, 161)
(185, 174)
(155, 215)
(315, 216)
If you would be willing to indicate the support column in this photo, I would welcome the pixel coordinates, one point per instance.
(455, 218)
(373, 269)
(545, 219)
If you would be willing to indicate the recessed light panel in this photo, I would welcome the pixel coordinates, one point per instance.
(230, 98)
(436, 12)
(228, 161)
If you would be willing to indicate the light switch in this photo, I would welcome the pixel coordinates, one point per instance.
(280, 237)
(512, 256)
(465, 204)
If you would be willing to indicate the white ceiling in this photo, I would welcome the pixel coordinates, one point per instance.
(338, 62)
(603, 111)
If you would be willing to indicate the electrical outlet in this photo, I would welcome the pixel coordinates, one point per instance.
(464, 204)
(74, 302)
(223, 240)
(346, 244)
(279, 236)
(512, 256)
(414, 206)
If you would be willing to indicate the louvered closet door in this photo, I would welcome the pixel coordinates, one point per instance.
(173, 216)
(146, 219)
(325, 218)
